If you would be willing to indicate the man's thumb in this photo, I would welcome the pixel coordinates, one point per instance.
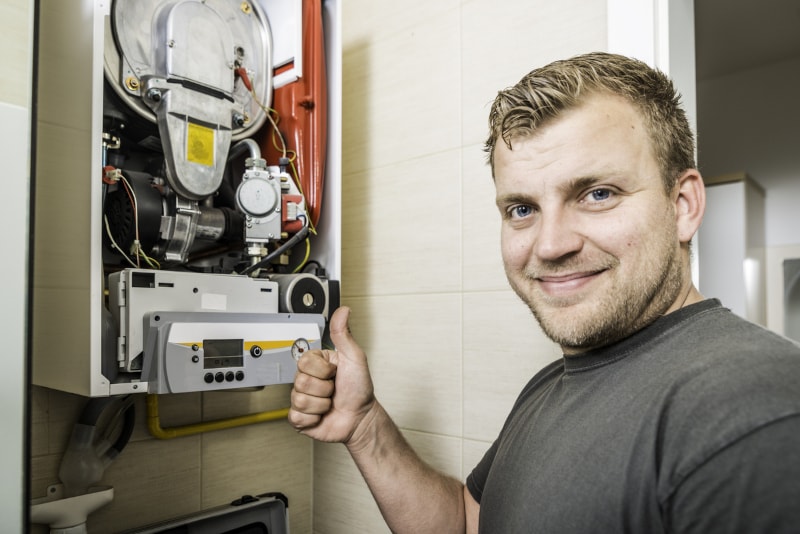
(340, 331)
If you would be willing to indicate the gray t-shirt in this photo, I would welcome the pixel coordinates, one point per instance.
(690, 425)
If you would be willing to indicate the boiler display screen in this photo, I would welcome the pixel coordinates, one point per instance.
(222, 353)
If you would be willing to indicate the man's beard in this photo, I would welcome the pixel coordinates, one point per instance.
(626, 306)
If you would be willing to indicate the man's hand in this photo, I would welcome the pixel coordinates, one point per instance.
(333, 389)
(333, 400)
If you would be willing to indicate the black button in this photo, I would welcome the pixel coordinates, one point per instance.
(239, 375)
(256, 351)
(219, 377)
(229, 376)
(208, 378)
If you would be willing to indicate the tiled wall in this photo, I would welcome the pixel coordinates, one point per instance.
(449, 344)
(15, 56)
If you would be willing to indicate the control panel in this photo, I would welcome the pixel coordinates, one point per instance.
(206, 351)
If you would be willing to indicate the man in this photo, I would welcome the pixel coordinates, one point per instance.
(667, 413)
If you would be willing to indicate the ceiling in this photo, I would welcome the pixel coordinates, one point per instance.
(734, 35)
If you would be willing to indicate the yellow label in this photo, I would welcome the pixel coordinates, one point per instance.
(200, 145)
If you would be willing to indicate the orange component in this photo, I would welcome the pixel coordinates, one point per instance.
(303, 110)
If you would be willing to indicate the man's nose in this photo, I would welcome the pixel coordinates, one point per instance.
(557, 236)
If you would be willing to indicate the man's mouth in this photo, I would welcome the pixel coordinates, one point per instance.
(568, 283)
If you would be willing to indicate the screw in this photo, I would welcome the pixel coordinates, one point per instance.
(132, 83)
(154, 94)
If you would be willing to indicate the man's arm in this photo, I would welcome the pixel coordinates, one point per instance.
(333, 401)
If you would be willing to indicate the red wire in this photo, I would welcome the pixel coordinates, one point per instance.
(242, 73)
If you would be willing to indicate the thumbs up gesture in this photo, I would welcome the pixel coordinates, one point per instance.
(333, 389)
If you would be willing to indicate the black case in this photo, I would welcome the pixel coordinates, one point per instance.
(263, 514)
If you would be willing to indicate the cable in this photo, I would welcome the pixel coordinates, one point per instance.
(132, 197)
(310, 263)
(305, 259)
(242, 73)
(114, 243)
(137, 244)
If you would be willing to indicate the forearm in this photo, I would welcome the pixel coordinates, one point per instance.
(412, 496)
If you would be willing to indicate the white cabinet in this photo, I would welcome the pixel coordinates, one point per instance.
(731, 245)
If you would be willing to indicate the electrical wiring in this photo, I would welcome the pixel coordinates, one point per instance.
(132, 197)
(114, 243)
(285, 152)
(302, 264)
(137, 250)
(275, 132)
(152, 262)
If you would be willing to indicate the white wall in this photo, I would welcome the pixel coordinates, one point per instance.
(15, 39)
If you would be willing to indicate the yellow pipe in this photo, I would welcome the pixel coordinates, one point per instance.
(154, 424)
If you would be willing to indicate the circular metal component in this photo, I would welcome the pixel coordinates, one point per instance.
(257, 197)
(300, 347)
(301, 293)
(132, 83)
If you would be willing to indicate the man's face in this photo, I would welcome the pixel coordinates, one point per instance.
(589, 235)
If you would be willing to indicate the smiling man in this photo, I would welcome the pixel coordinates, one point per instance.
(585, 237)
(666, 413)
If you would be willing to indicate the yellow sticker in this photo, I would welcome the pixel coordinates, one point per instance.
(200, 145)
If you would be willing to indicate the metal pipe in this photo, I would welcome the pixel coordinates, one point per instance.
(154, 423)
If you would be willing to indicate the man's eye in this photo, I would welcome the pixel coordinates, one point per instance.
(520, 211)
(598, 195)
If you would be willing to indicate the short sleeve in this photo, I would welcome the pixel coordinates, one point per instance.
(476, 480)
(752, 485)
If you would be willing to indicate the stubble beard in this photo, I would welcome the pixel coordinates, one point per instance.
(624, 307)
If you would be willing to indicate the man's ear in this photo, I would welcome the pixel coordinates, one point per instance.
(690, 204)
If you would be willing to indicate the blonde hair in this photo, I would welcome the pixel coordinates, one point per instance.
(547, 91)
